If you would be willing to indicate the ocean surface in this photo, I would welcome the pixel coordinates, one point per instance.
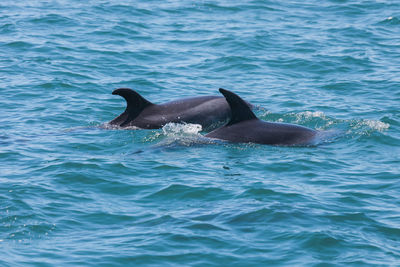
(74, 192)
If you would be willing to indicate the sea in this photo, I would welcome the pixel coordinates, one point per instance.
(74, 192)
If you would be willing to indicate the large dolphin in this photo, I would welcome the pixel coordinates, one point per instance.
(245, 127)
(208, 111)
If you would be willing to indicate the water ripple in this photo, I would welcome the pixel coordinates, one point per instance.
(74, 191)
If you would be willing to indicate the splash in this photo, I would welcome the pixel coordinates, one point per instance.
(183, 134)
(174, 129)
(375, 125)
(109, 126)
(308, 115)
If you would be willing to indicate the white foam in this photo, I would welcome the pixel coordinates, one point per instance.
(173, 129)
(311, 114)
(376, 125)
(185, 134)
(109, 126)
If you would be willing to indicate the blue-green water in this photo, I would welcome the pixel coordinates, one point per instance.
(74, 193)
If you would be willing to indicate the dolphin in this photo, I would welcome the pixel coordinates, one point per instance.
(245, 127)
(208, 111)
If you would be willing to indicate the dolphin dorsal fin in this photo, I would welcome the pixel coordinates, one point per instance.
(135, 103)
(240, 110)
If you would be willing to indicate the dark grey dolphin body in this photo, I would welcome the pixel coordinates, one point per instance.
(245, 127)
(208, 111)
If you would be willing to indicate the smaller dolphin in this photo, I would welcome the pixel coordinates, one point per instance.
(245, 127)
(208, 111)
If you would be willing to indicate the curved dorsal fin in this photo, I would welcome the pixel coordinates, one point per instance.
(239, 108)
(135, 104)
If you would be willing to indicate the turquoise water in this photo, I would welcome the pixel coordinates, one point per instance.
(75, 193)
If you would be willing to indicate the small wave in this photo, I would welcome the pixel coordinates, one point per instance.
(366, 127)
(318, 118)
(325, 240)
(375, 125)
(7, 28)
(185, 192)
(20, 45)
(205, 227)
(251, 217)
(109, 126)
(264, 193)
(4, 140)
(24, 233)
(390, 21)
(313, 119)
(300, 117)
(310, 114)
(54, 19)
